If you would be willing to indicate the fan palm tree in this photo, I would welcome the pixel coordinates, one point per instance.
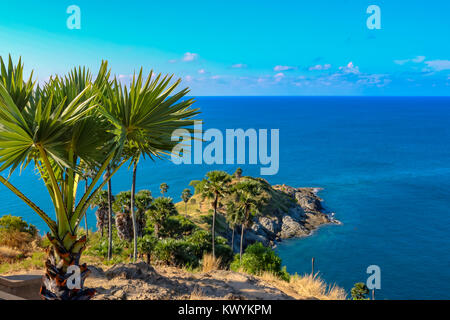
(234, 218)
(238, 174)
(163, 187)
(70, 124)
(247, 202)
(122, 208)
(215, 187)
(147, 113)
(185, 196)
(143, 203)
(161, 208)
(101, 202)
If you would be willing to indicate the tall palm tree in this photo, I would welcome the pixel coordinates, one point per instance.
(234, 217)
(215, 187)
(238, 174)
(161, 208)
(248, 201)
(69, 124)
(143, 202)
(164, 187)
(147, 113)
(185, 196)
(122, 208)
(101, 202)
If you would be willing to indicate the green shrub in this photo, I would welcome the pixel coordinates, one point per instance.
(98, 246)
(177, 226)
(257, 259)
(13, 223)
(190, 250)
(146, 245)
(175, 252)
(360, 291)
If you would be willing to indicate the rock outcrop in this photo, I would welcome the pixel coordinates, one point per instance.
(304, 215)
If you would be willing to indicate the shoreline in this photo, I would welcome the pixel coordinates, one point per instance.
(301, 219)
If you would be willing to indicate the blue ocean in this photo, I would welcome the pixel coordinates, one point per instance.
(383, 164)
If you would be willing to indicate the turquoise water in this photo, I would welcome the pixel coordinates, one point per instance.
(384, 164)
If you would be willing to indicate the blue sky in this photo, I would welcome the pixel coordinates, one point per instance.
(246, 47)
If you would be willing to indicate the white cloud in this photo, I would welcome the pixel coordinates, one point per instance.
(320, 67)
(350, 68)
(239, 66)
(202, 71)
(438, 65)
(188, 78)
(172, 60)
(189, 56)
(279, 76)
(283, 68)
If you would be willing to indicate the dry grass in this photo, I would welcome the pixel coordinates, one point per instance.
(209, 263)
(306, 287)
(313, 286)
(8, 252)
(16, 240)
(197, 294)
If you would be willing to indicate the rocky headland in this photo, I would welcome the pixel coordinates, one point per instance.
(288, 212)
(304, 216)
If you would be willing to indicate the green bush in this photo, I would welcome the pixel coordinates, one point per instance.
(98, 246)
(13, 223)
(190, 250)
(257, 259)
(146, 245)
(177, 226)
(175, 252)
(360, 291)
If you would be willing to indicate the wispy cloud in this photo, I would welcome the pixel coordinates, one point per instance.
(417, 59)
(283, 68)
(320, 67)
(189, 56)
(438, 65)
(239, 66)
(279, 76)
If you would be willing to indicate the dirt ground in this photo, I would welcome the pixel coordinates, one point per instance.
(143, 282)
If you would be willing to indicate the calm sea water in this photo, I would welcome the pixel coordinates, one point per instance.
(384, 164)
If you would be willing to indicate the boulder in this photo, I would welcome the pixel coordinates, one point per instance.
(139, 270)
(291, 228)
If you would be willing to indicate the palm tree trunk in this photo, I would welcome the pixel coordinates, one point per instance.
(109, 217)
(185, 208)
(232, 239)
(57, 278)
(85, 216)
(214, 229)
(133, 215)
(242, 241)
(157, 230)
